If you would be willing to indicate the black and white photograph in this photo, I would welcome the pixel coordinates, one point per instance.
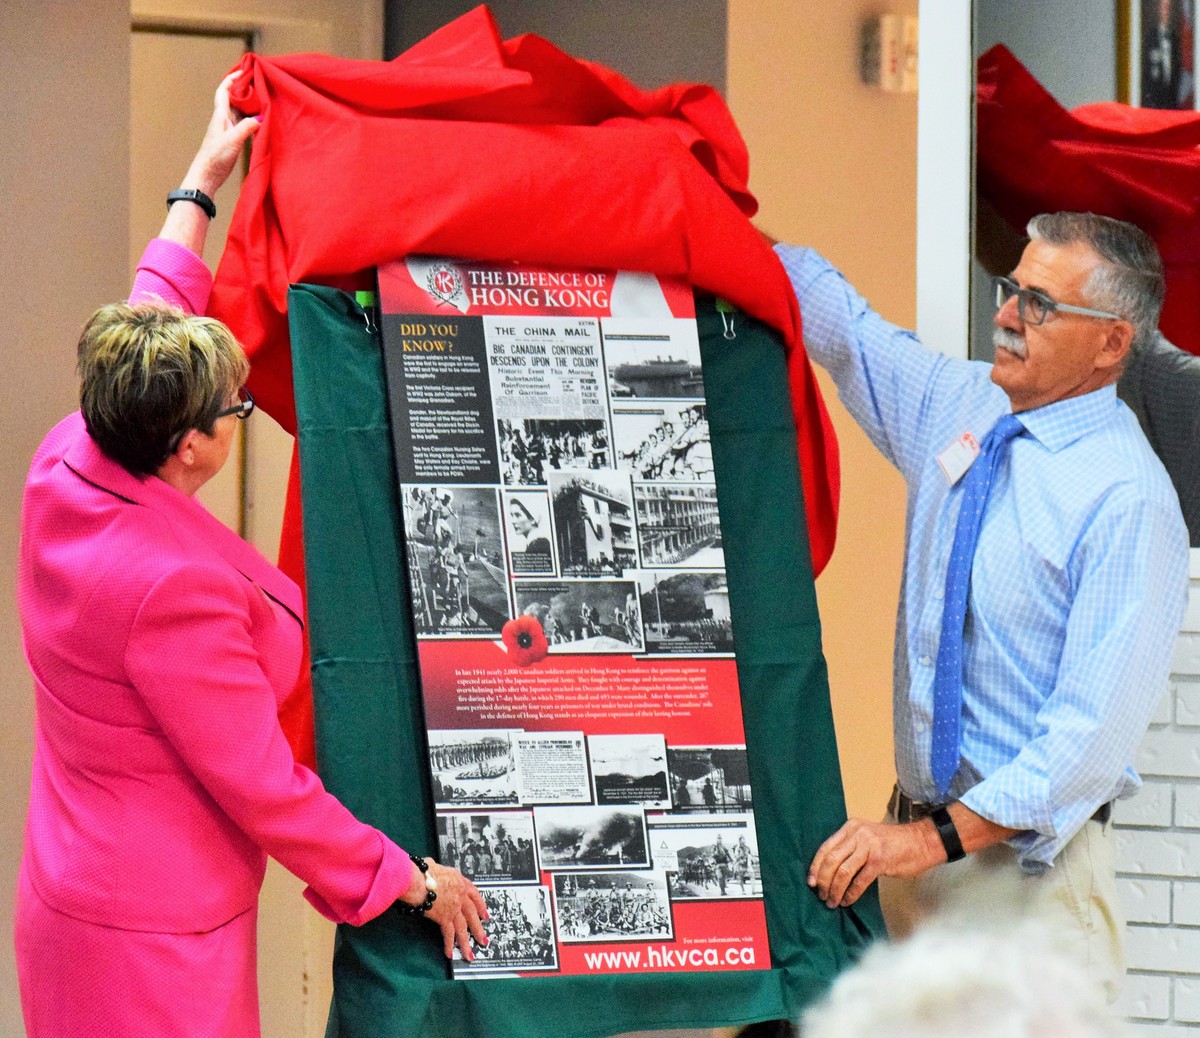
(593, 523)
(708, 857)
(709, 779)
(663, 441)
(630, 769)
(686, 613)
(473, 767)
(664, 362)
(527, 522)
(531, 448)
(497, 847)
(520, 933)
(553, 768)
(457, 575)
(584, 616)
(679, 524)
(612, 906)
(591, 837)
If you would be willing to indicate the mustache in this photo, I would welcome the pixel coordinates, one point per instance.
(1007, 339)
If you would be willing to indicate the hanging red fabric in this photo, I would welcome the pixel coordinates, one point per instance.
(1135, 164)
(469, 145)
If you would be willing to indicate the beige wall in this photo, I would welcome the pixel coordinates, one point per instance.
(64, 176)
(833, 163)
(64, 123)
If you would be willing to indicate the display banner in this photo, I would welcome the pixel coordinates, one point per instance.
(566, 573)
(389, 974)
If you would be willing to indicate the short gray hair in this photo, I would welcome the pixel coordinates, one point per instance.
(1129, 279)
(945, 983)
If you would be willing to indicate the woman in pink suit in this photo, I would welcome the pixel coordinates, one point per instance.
(160, 645)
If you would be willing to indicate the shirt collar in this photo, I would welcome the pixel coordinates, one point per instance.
(1061, 423)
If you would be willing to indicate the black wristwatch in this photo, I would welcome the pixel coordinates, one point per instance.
(191, 194)
(948, 832)
(430, 890)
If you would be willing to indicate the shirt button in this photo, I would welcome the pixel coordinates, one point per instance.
(939, 594)
(920, 727)
(925, 661)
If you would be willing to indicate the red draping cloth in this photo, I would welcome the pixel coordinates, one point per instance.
(1135, 164)
(469, 145)
(296, 711)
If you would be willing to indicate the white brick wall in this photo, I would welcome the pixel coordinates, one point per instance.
(1158, 852)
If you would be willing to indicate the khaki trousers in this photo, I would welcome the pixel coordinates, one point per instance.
(1075, 901)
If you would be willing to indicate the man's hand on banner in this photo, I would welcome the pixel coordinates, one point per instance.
(860, 852)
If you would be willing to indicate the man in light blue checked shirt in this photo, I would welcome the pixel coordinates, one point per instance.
(1077, 588)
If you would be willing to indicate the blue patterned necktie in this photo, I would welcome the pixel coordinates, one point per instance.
(947, 682)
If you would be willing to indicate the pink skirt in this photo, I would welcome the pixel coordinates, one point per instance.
(81, 979)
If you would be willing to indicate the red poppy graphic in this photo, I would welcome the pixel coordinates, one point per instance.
(525, 640)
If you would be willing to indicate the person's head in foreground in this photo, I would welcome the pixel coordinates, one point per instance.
(946, 983)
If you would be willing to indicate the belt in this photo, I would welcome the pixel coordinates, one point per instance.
(904, 808)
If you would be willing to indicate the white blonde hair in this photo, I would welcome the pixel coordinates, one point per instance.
(945, 983)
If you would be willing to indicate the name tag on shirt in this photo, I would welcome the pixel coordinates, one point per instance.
(958, 457)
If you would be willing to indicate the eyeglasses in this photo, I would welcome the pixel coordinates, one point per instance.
(1033, 307)
(242, 408)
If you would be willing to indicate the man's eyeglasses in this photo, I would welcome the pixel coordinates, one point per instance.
(242, 408)
(1033, 307)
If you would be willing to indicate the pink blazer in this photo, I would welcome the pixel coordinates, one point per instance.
(160, 645)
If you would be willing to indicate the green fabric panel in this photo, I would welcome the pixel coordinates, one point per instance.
(389, 976)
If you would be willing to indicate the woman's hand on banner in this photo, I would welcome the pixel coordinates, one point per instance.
(459, 910)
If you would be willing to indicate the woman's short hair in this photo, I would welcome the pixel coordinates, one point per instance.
(148, 374)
